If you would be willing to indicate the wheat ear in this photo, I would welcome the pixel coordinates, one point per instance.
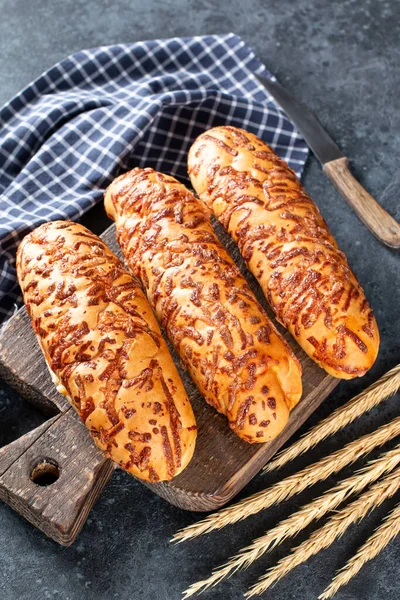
(301, 519)
(389, 529)
(328, 533)
(294, 484)
(386, 386)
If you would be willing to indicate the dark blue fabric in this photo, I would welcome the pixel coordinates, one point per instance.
(103, 111)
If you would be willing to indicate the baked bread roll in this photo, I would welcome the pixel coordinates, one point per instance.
(237, 359)
(105, 351)
(288, 248)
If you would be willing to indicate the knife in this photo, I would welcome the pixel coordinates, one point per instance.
(335, 166)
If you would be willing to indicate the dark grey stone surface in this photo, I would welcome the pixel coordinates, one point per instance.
(342, 59)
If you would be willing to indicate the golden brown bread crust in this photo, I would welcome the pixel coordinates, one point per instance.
(103, 345)
(288, 247)
(233, 352)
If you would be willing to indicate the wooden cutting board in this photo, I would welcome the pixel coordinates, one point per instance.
(53, 475)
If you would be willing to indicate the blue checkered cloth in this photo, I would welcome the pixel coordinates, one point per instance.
(103, 111)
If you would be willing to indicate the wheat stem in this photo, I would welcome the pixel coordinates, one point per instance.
(294, 484)
(386, 386)
(302, 518)
(334, 528)
(389, 529)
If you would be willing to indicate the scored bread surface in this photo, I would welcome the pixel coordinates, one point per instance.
(288, 248)
(105, 350)
(236, 357)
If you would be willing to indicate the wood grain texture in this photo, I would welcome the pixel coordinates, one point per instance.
(384, 227)
(11, 453)
(220, 468)
(59, 509)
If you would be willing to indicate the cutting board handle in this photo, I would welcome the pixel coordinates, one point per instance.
(379, 222)
(53, 475)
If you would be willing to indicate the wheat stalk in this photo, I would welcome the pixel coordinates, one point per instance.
(301, 519)
(328, 533)
(294, 484)
(386, 386)
(389, 529)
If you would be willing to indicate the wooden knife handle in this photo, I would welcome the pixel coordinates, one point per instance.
(379, 222)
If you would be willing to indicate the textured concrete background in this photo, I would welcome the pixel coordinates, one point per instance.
(342, 59)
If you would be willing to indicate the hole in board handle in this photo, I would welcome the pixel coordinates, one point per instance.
(45, 472)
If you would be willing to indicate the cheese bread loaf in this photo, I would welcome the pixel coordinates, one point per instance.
(105, 351)
(236, 357)
(288, 248)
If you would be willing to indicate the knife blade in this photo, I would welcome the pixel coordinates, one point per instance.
(335, 166)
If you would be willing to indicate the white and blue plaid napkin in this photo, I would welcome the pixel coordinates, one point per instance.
(103, 111)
